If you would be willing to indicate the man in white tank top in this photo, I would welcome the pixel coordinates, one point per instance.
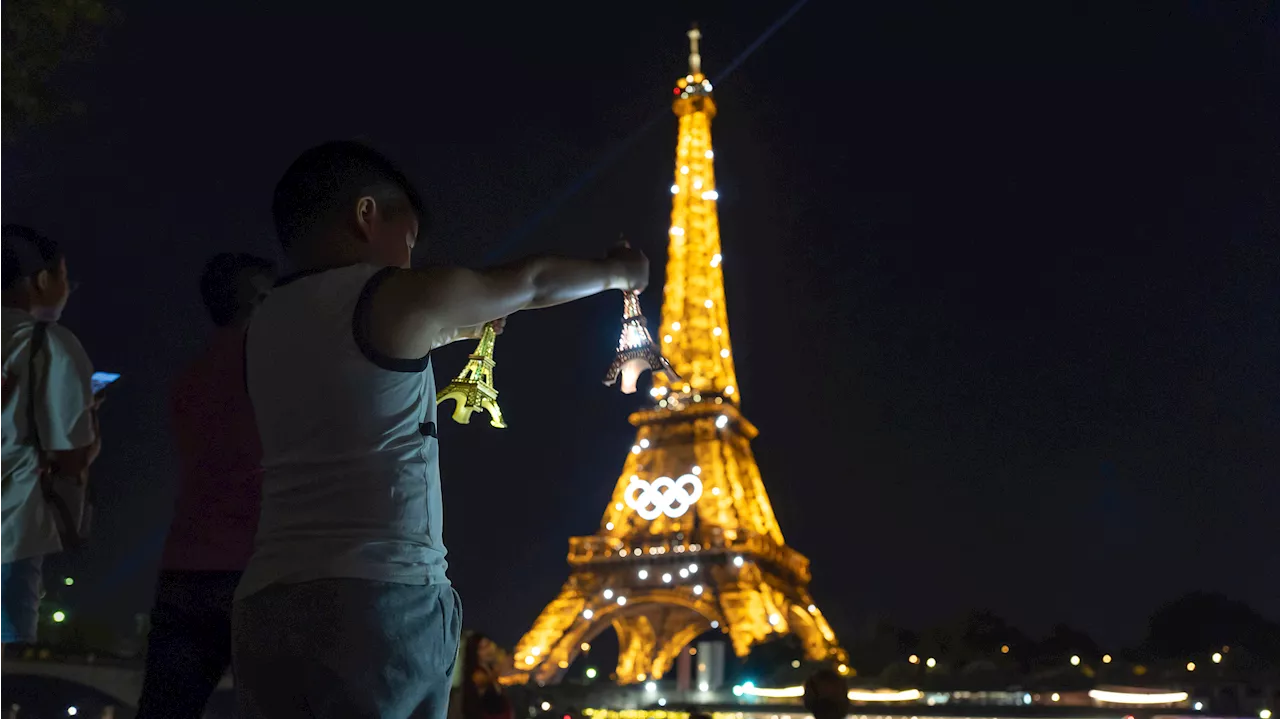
(345, 609)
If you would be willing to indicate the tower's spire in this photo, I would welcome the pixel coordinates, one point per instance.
(695, 326)
(695, 60)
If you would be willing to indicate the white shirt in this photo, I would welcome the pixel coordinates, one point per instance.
(64, 403)
(351, 477)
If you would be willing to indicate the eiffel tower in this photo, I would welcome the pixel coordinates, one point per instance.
(689, 543)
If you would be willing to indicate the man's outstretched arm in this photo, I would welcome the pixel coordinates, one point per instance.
(415, 311)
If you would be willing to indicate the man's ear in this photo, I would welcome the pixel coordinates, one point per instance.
(366, 211)
(42, 281)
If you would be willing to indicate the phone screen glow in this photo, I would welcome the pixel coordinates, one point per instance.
(100, 380)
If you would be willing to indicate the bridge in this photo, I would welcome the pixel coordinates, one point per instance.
(121, 681)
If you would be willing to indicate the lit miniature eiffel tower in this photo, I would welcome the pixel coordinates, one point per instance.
(473, 388)
(689, 542)
(636, 350)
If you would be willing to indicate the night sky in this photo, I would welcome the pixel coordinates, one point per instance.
(1003, 278)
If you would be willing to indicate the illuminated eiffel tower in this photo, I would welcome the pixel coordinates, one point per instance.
(689, 543)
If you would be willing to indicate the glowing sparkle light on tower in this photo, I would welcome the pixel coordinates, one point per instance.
(703, 552)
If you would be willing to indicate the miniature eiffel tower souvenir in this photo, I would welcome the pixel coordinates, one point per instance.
(472, 389)
(636, 349)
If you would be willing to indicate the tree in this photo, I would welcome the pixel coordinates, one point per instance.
(883, 644)
(771, 660)
(984, 633)
(975, 635)
(1200, 623)
(41, 36)
(1062, 643)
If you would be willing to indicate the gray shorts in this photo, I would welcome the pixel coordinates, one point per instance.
(346, 648)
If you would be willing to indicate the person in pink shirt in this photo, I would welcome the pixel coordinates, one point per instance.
(216, 515)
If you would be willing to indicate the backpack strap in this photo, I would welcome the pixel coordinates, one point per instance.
(71, 525)
(38, 333)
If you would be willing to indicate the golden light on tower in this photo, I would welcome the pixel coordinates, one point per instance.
(689, 542)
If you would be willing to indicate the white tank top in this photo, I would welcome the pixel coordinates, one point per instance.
(351, 482)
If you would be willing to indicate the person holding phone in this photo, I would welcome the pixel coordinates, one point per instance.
(50, 434)
(345, 608)
(216, 513)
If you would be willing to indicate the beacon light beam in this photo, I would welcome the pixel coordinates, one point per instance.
(616, 151)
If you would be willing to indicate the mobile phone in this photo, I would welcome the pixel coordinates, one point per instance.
(100, 380)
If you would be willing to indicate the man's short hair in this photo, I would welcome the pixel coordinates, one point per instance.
(327, 179)
(219, 283)
(27, 253)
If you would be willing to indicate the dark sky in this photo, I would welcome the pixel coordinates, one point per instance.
(1004, 278)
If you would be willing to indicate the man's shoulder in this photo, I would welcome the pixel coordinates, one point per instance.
(310, 303)
(298, 293)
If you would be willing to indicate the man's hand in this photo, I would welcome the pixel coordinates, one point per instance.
(634, 266)
(95, 448)
(475, 331)
(499, 325)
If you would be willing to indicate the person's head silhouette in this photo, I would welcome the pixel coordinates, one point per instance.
(826, 696)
